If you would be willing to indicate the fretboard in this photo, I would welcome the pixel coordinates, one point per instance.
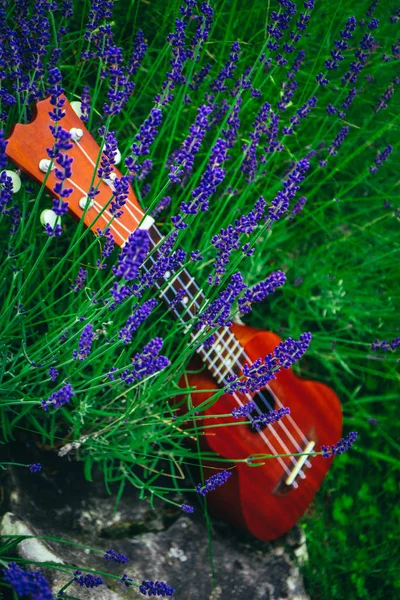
(184, 297)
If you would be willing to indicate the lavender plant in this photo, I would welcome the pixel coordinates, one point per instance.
(266, 150)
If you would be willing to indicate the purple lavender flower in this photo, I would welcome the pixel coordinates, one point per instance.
(108, 244)
(230, 133)
(187, 508)
(244, 411)
(362, 55)
(373, 24)
(138, 53)
(210, 180)
(280, 203)
(6, 192)
(198, 78)
(3, 146)
(35, 468)
(349, 98)
(341, 446)
(100, 10)
(64, 161)
(195, 256)
(161, 206)
(60, 397)
(126, 580)
(298, 206)
(120, 87)
(25, 583)
(121, 190)
(53, 373)
(132, 255)
(381, 158)
(272, 416)
(338, 141)
(387, 94)
(184, 160)
(218, 312)
(386, 345)
(118, 558)
(289, 351)
(218, 84)
(261, 290)
(85, 104)
(108, 155)
(321, 79)
(257, 376)
(80, 280)
(88, 580)
(249, 164)
(136, 319)
(62, 142)
(146, 363)
(229, 239)
(53, 231)
(145, 137)
(301, 113)
(158, 588)
(55, 90)
(85, 343)
(213, 482)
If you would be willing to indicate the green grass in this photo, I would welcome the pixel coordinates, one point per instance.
(344, 246)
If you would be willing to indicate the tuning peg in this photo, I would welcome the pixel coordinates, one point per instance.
(117, 158)
(76, 134)
(86, 202)
(44, 165)
(77, 108)
(49, 217)
(16, 180)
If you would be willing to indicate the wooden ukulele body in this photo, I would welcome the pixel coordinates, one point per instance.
(256, 498)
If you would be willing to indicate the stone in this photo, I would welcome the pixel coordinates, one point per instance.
(163, 544)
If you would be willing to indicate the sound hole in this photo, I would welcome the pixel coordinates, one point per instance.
(265, 402)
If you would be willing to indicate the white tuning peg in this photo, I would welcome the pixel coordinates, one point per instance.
(49, 217)
(117, 158)
(77, 108)
(76, 134)
(16, 180)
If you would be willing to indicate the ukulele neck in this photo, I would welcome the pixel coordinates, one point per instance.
(184, 297)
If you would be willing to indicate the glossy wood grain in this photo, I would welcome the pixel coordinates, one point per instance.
(252, 498)
(27, 146)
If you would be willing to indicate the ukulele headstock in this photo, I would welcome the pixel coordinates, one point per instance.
(27, 148)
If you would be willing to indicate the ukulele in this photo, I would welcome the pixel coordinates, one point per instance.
(268, 499)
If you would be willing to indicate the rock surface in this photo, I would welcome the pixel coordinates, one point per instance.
(164, 544)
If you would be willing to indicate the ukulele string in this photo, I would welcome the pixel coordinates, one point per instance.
(106, 213)
(265, 439)
(219, 337)
(218, 371)
(235, 361)
(109, 182)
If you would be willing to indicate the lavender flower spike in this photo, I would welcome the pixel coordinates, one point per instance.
(213, 482)
(26, 583)
(290, 351)
(158, 588)
(261, 290)
(343, 445)
(132, 255)
(280, 203)
(60, 397)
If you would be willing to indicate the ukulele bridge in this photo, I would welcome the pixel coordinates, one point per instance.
(298, 466)
(289, 482)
